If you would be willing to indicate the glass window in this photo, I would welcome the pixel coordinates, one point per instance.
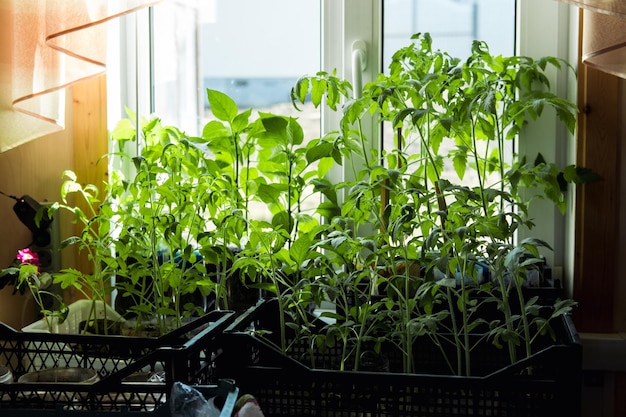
(453, 25)
(250, 50)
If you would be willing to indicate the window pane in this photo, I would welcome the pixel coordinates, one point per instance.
(175, 69)
(253, 51)
(453, 26)
(250, 50)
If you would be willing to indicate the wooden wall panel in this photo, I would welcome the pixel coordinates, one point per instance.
(89, 127)
(597, 208)
(35, 169)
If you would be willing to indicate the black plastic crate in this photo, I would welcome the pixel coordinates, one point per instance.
(289, 386)
(135, 373)
(226, 390)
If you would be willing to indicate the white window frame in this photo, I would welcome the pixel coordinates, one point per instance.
(543, 28)
(128, 66)
(550, 28)
(343, 23)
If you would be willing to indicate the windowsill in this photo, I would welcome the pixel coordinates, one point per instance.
(604, 351)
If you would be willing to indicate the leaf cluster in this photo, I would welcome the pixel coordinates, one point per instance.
(416, 241)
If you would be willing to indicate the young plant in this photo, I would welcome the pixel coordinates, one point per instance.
(94, 240)
(269, 174)
(158, 213)
(26, 274)
(347, 265)
(449, 118)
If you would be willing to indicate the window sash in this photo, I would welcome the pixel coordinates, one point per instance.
(343, 23)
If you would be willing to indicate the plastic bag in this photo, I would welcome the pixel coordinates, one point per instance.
(186, 401)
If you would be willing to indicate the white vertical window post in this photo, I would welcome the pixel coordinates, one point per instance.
(132, 87)
(544, 28)
(129, 82)
(352, 36)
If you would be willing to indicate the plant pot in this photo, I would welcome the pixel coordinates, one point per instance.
(60, 375)
(6, 376)
(545, 384)
(145, 376)
(372, 361)
(240, 296)
(144, 328)
(100, 327)
(79, 312)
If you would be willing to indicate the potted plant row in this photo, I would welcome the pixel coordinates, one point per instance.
(425, 277)
(414, 262)
(168, 237)
(140, 232)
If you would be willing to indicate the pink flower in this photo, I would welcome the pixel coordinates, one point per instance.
(27, 256)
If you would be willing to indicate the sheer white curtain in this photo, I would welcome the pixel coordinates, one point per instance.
(47, 45)
(604, 34)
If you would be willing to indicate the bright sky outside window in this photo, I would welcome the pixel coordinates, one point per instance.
(255, 56)
(453, 25)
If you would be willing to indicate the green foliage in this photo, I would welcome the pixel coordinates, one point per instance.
(406, 250)
(439, 252)
(184, 222)
(27, 276)
(94, 240)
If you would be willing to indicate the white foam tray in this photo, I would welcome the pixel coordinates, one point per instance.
(79, 311)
